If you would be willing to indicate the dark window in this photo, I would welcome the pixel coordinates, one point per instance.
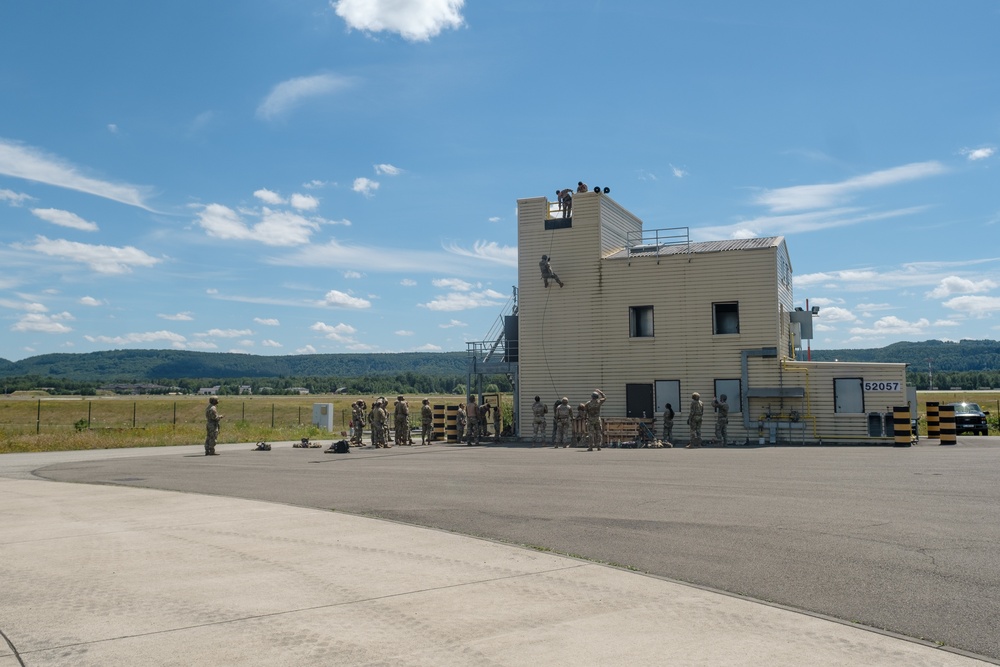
(640, 321)
(726, 318)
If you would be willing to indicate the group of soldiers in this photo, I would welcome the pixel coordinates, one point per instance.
(472, 422)
(696, 414)
(562, 432)
(378, 420)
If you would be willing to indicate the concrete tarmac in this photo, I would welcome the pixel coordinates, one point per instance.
(110, 574)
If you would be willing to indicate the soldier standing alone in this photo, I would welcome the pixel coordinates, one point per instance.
(722, 420)
(426, 418)
(212, 419)
(594, 419)
(538, 412)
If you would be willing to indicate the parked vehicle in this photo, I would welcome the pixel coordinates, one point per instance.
(970, 417)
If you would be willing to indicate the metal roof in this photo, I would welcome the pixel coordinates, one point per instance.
(700, 247)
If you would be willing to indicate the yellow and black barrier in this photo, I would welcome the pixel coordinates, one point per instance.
(901, 431)
(933, 422)
(949, 434)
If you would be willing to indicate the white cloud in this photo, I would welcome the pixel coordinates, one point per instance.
(269, 197)
(104, 259)
(408, 282)
(403, 332)
(495, 218)
(304, 202)
(465, 300)
(177, 317)
(31, 307)
(225, 333)
(146, 337)
(342, 333)
(201, 345)
(452, 324)
(387, 170)
(947, 323)
(32, 164)
(453, 283)
(269, 322)
(14, 198)
(490, 251)
(338, 298)
(112, 128)
(64, 219)
(267, 342)
(289, 94)
(428, 347)
(274, 228)
(39, 322)
(974, 306)
(89, 301)
(874, 306)
(837, 314)
(316, 184)
(804, 197)
(365, 186)
(892, 325)
(775, 225)
(974, 154)
(678, 172)
(308, 349)
(413, 20)
(353, 275)
(956, 285)
(246, 343)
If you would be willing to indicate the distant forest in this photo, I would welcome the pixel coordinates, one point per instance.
(967, 364)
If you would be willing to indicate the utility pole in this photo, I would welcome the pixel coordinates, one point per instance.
(930, 374)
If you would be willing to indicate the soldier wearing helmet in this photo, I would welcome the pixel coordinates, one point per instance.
(564, 428)
(547, 273)
(695, 415)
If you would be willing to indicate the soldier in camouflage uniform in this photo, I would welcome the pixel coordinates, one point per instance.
(461, 420)
(538, 412)
(473, 414)
(212, 419)
(402, 422)
(379, 417)
(426, 419)
(668, 423)
(358, 421)
(564, 427)
(594, 419)
(695, 415)
(722, 419)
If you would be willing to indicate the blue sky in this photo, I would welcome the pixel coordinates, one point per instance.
(312, 176)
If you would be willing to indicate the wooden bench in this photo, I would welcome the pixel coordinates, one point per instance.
(624, 429)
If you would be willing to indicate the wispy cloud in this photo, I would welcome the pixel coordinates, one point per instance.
(974, 154)
(89, 301)
(413, 20)
(64, 219)
(799, 223)
(14, 198)
(490, 251)
(342, 333)
(292, 93)
(823, 195)
(100, 258)
(272, 227)
(365, 186)
(142, 337)
(974, 306)
(176, 317)
(465, 300)
(387, 170)
(267, 322)
(43, 323)
(33, 164)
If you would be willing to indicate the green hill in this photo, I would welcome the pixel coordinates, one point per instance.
(153, 365)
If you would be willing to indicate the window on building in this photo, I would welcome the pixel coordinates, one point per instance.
(726, 318)
(668, 391)
(640, 321)
(848, 395)
(732, 389)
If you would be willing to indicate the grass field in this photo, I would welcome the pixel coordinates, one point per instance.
(52, 423)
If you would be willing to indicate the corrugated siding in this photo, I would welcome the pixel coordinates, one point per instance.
(575, 339)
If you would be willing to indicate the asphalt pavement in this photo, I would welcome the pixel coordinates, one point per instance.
(501, 555)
